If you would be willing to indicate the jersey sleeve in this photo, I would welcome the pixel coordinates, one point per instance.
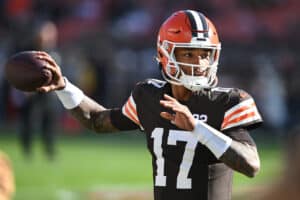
(242, 113)
(129, 109)
(120, 121)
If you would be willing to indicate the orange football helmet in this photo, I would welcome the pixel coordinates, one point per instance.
(188, 29)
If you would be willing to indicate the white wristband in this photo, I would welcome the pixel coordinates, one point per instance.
(213, 139)
(70, 96)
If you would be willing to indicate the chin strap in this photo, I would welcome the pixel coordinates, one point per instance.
(194, 83)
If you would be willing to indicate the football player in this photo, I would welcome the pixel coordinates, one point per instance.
(197, 133)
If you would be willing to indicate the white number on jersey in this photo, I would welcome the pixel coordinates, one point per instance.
(157, 83)
(183, 182)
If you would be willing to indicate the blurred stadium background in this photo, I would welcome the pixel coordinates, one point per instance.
(107, 46)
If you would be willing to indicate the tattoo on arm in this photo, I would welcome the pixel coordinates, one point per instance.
(93, 116)
(102, 122)
(242, 157)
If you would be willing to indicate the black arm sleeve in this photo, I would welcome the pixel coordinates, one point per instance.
(120, 121)
(241, 135)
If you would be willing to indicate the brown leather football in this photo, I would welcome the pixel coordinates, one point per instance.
(26, 72)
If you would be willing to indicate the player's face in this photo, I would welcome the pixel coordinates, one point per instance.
(193, 56)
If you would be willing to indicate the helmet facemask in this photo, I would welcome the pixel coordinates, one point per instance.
(174, 73)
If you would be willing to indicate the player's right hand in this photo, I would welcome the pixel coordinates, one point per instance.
(182, 118)
(58, 81)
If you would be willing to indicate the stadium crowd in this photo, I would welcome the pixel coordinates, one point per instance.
(107, 46)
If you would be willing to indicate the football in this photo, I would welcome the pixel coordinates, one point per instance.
(26, 72)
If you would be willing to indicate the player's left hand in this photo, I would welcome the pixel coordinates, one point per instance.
(182, 118)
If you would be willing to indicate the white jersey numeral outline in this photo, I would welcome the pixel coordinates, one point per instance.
(183, 182)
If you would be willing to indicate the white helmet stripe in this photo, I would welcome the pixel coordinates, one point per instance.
(204, 24)
(198, 23)
(193, 22)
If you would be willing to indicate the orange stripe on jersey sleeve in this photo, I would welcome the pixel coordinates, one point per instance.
(241, 114)
(238, 111)
(238, 119)
(132, 108)
(129, 110)
(130, 115)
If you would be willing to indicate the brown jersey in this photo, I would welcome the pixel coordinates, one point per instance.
(182, 167)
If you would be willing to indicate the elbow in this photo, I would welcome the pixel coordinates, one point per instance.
(254, 168)
(253, 163)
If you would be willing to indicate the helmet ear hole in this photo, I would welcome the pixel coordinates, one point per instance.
(160, 55)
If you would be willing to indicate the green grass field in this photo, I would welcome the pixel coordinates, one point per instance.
(117, 162)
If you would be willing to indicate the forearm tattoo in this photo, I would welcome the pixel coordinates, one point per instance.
(101, 122)
(93, 116)
(242, 157)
